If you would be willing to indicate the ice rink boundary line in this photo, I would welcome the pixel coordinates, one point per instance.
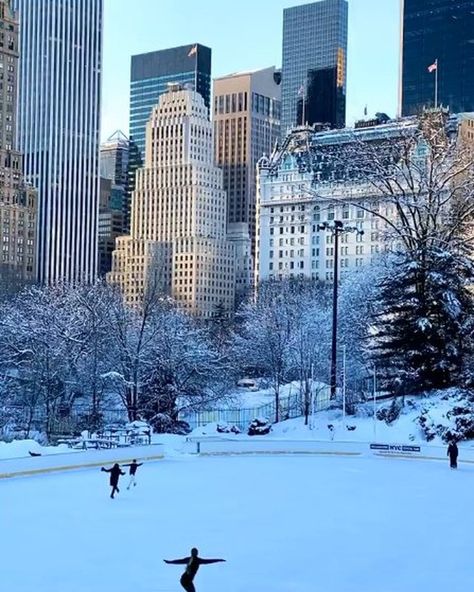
(421, 457)
(281, 453)
(63, 469)
(327, 453)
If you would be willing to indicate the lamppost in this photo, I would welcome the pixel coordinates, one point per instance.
(336, 228)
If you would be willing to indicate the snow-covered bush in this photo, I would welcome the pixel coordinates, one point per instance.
(455, 422)
(164, 424)
(259, 427)
(392, 412)
(224, 428)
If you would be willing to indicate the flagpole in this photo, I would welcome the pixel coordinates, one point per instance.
(436, 84)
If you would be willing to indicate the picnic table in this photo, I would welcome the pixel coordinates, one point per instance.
(96, 443)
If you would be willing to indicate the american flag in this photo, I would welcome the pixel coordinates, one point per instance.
(433, 67)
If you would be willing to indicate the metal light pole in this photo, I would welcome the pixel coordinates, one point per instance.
(344, 387)
(375, 402)
(336, 228)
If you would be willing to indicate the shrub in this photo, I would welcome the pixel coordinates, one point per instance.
(259, 427)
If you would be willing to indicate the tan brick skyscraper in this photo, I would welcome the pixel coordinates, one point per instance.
(178, 225)
(246, 126)
(18, 202)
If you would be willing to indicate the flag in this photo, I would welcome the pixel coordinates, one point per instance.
(433, 67)
(301, 90)
(193, 51)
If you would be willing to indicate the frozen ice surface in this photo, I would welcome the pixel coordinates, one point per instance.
(284, 524)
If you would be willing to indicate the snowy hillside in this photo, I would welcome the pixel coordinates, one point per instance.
(439, 413)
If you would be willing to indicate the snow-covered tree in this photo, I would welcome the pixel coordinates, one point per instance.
(263, 339)
(423, 183)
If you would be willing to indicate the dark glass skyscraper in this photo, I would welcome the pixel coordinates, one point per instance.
(314, 64)
(440, 30)
(151, 73)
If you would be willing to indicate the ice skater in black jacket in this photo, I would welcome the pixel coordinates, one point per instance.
(192, 565)
(453, 453)
(115, 473)
(133, 471)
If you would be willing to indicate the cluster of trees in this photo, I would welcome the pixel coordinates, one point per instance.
(64, 348)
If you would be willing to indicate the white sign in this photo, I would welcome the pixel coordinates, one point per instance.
(405, 449)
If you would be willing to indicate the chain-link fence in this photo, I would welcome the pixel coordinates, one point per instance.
(290, 407)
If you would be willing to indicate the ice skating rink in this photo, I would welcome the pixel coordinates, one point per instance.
(284, 524)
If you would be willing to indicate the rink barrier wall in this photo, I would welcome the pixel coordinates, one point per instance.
(76, 461)
(214, 446)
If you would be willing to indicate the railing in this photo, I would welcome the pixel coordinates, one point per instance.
(58, 423)
(290, 407)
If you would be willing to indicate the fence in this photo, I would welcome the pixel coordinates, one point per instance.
(290, 407)
(18, 418)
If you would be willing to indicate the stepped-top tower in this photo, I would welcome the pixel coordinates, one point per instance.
(178, 224)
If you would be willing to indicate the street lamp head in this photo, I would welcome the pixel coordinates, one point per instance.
(338, 224)
(323, 226)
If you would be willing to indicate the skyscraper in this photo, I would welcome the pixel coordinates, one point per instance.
(437, 33)
(114, 159)
(178, 239)
(314, 64)
(150, 75)
(18, 202)
(247, 111)
(59, 121)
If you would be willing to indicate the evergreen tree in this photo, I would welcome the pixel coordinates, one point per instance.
(423, 320)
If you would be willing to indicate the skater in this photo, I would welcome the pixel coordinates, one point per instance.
(115, 473)
(133, 471)
(453, 453)
(192, 565)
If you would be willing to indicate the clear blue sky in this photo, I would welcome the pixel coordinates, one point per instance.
(245, 34)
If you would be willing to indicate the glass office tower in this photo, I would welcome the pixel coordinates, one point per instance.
(151, 73)
(314, 64)
(59, 123)
(440, 30)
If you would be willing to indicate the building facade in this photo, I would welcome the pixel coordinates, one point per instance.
(18, 201)
(150, 75)
(178, 243)
(246, 126)
(113, 201)
(59, 123)
(114, 159)
(437, 30)
(315, 179)
(314, 64)
(111, 222)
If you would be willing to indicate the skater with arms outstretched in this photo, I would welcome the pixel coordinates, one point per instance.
(115, 473)
(133, 471)
(192, 565)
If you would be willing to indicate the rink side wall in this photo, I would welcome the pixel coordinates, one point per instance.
(227, 446)
(217, 446)
(74, 461)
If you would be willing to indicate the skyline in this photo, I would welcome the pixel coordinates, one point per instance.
(373, 61)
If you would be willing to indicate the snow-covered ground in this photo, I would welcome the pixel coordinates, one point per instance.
(22, 448)
(330, 425)
(284, 524)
